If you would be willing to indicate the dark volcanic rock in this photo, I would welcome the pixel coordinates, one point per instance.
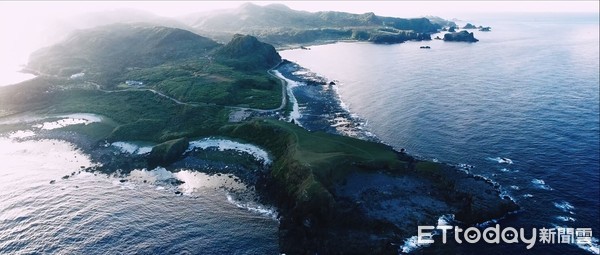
(375, 211)
(462, 36)
(485, 29)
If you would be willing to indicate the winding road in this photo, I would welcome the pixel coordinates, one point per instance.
(270, 72)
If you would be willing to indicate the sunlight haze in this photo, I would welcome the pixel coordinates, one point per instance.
(27, 26)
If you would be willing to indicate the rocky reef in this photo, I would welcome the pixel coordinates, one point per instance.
(462, 36)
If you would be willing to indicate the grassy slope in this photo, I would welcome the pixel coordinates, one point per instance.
(308, 163)
(208, 82)
(176, 62)
(135, 115)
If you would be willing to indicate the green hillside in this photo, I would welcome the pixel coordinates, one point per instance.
(279, 25)
(175, 62)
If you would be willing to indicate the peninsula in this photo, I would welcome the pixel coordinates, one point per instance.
(169, 85)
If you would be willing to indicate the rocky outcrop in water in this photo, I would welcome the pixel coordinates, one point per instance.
(469, 26)
(462, 36)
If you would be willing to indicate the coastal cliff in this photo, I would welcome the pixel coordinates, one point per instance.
(327, 186)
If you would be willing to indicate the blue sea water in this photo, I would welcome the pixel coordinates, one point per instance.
(139, 213)
(527, 91)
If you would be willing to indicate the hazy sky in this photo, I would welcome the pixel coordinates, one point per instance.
(403, 8)
(23, 23)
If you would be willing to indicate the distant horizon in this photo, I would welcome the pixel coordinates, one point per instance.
(26, 24)
(405, 9)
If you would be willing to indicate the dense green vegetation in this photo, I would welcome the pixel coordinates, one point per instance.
(209, 78)
(143, 115)
(168, 86)
(203, 81)
(104, 52)
(246, 53)
(281, 26)
(176, 62)
(135, 115)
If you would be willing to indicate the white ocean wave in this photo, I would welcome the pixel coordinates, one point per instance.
(411, 244)
(502, 160)
(539, 183)
(254, 207)
(68, 120)
(131, 148)
(591, 247)
(565, 218)
(564, 206)
(155, 175)
(505, 193)
(144, 149)
(21, 134)
(125, 147)
(223, 144)
(445, 220)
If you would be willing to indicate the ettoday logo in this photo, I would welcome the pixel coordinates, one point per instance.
(496, 235)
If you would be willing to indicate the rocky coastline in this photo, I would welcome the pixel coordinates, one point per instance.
(372, 208)
(377, 209)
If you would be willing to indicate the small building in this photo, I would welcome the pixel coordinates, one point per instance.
(134, 83)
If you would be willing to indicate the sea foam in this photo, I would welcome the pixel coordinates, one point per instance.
(21, 134)
(539, 183)
(502, 160)
(254, 207)
(564, 206)
(411, 244)
(223, 144)
(130, 148)
(68, 120)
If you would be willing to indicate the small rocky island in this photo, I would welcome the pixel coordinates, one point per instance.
(469, 26)
(462, 36)
(480, 28)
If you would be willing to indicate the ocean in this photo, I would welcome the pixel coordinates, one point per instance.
(521, 106)
(528, 92)
(49, 206)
